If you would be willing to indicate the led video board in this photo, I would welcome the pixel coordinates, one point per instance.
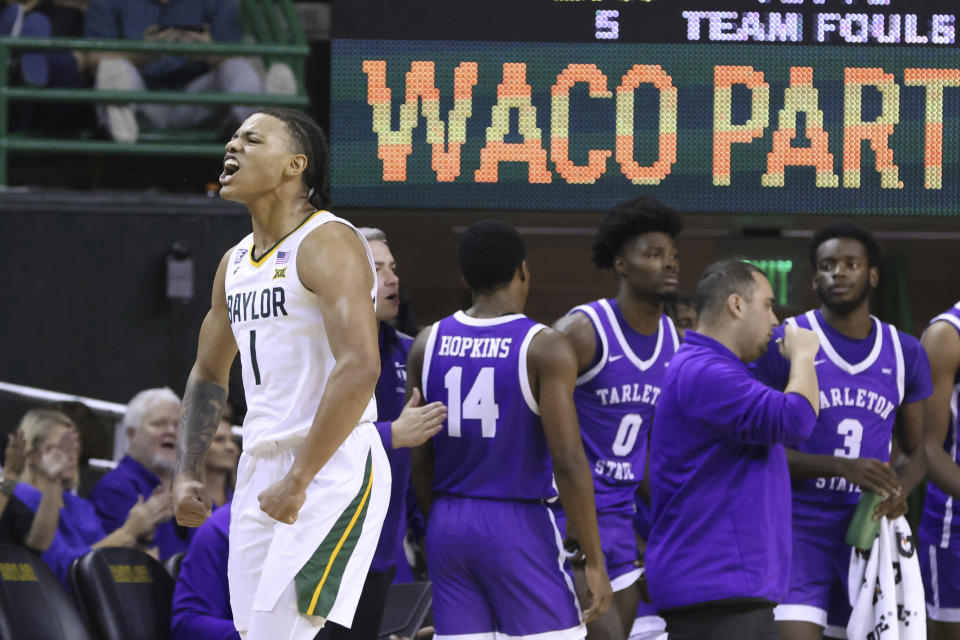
(762, 106)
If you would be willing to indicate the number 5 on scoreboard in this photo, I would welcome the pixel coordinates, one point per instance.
(478, 405)
(608, 27)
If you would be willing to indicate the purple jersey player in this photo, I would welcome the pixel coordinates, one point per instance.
(868, 373)
(939, 533)
(495, 555)
(623, 347)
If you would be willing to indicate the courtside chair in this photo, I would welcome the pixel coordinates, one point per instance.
(33, 603)
(407, 606)
(124, 593)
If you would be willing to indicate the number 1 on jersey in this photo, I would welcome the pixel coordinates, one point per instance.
(478, 405)
(253, 356)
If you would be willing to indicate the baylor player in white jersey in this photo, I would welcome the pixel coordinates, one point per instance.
(296, 297)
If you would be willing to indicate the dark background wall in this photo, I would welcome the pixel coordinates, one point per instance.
(83, 276)
(558, 248)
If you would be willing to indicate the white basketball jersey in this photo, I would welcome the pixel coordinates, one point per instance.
(284, 350)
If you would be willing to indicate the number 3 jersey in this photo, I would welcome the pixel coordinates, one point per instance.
(492, 445)
(616, 398)
(862, 384)
(284, 351)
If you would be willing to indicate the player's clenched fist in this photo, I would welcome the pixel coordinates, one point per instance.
(191, 503)
(282, 500)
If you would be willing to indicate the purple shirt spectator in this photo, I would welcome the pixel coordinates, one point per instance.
(201, 600)
(77, 528)
(117, 492)
(719, 483)
(390, 395)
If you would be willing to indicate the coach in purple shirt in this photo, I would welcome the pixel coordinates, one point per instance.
(718, 555)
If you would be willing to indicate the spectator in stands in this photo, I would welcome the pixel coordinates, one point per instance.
(221, 464)
(400, 427)
(201, 599)
(187, 21)
(15, 517)
(42, 19)
(150, 425)
(65, 526)
(61, 69)
(94, 433)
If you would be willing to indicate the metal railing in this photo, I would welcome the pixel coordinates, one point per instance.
(25, 142)
(46, 396)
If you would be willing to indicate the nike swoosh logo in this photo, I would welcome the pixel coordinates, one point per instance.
(615, 358)
(817, 363)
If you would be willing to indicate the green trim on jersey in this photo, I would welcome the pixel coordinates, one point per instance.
(259, 261)
(318, 582)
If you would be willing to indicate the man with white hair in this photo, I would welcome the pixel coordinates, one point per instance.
(143, 474)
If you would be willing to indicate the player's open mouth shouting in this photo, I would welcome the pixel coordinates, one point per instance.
(230, 166)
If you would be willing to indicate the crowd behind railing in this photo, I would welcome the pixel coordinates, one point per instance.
(82, 75)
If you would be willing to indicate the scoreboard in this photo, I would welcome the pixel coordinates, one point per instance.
(748, 106)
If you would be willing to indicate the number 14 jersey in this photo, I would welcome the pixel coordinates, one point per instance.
(492, 444)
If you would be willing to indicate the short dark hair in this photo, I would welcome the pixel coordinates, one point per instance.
(722, 279)
(630, 219)
(309, 140)
(846, 230)
(489, 253)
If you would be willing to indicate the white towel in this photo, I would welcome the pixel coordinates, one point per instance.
(885, 588)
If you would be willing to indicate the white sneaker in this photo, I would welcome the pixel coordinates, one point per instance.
(280, 80)
(113, 74)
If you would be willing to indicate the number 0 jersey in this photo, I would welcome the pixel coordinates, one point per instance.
(615, 402)
(492, 444)
(284, 351)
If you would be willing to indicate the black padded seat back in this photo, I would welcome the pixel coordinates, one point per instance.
(173, 563)
(33, 603)
(408, 604)
(125, 594)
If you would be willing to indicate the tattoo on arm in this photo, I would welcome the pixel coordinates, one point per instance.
(202, 407)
